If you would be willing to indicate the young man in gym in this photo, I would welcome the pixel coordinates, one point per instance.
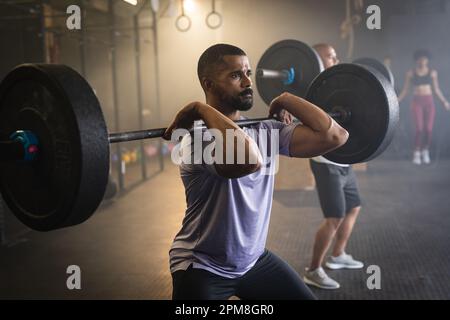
(220, 250)
(340, 202)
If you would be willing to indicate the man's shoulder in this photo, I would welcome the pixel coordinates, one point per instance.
(267, 124)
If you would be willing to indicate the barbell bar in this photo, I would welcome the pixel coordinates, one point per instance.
(50, 113)
(338, 115)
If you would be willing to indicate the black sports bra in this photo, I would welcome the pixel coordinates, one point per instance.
(422, 80)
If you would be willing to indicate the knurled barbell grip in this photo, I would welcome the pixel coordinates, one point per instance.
(158, 133)
(136, 135)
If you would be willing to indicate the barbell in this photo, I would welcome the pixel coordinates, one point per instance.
(360, 96)
(287, 66)
(291, 65)
(54, 143)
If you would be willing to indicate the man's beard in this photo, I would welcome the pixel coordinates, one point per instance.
(239, 102)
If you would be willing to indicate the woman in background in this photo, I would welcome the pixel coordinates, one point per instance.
(424, 80)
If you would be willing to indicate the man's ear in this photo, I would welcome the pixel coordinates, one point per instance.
(208, 84)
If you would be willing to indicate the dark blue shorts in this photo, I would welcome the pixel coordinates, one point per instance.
(271, 278)
(337, 188)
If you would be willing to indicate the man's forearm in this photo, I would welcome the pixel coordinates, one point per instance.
(309, 114)
(214, 119)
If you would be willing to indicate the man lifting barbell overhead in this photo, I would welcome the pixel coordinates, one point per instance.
(54, 151)
(220, 250)
(340, 202)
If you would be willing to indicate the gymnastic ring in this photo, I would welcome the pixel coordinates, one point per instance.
(208, 17)
(177, 23)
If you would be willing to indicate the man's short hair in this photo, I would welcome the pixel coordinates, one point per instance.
(213, 56)
(422, 53)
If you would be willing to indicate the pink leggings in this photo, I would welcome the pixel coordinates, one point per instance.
(423, 112)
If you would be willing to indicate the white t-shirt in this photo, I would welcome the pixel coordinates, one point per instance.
(321, 159)
(226, 223)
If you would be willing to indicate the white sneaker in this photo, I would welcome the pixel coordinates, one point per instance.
(344, 261)
(416, 158)
(319, 279)
(426, 156)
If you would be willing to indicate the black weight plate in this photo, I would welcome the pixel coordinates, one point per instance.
(373, 105)
(66, 183)
(284, 55)
(377, 65)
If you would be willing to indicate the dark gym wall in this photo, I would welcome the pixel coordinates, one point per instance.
(20, 40)
(99, 69)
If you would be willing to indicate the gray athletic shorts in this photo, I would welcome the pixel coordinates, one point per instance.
(337, 189)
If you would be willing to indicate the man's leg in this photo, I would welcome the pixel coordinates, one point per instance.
(330, 181)
(198, 284)
(272, 279)
(344, 231)
(323, 239)
(339, 259)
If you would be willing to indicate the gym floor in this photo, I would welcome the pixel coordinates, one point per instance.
(123, 249)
